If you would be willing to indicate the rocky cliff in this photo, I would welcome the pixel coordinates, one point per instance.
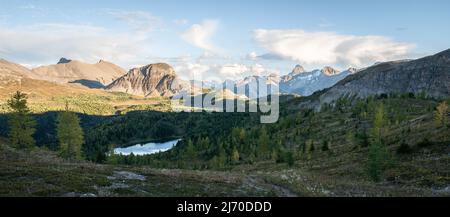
(429, 75)
(150, 81)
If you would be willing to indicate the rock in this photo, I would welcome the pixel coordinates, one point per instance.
(329, 71)
(298, 69)
(63, 60)
(88, 195)
(128, 175)
(429, 75)
(152, 80)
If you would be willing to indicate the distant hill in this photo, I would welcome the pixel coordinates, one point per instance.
(95, 75)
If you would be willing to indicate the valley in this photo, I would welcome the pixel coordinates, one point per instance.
(362, 134)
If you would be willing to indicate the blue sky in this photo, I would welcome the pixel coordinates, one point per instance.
(223, 39)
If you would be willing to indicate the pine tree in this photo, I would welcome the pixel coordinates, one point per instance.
(70, 134)
(21, 124)
(311, 149)
(289, 158)
(325, 145)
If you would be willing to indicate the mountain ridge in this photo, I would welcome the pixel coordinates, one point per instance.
(429, 75)
(95, 75)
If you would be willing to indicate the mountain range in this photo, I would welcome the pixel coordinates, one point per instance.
(96, 75)
(429, 74)
(160, 79)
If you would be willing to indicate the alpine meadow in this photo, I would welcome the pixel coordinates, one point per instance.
(221, 99)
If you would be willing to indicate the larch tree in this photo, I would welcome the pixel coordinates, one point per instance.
(378, 155)
(70, 134)
(235, 155)
(190, 153)
(263, 143)
(21, 123)
(440, 115)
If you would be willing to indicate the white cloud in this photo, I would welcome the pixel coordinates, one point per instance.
(200, 35)
(328, 48)
(46, 43)
(233, 70)
(189, 71)
(140, 21)
(181, 22)
(251, 56)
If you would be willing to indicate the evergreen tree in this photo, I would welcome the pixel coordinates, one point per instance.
(21, 124)
(311, 147)
(289, 158)
(70, 134)
(325, 145)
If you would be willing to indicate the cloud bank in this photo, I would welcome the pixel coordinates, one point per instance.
(46, 43)
(329, 48)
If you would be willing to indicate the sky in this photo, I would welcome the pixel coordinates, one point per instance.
(223, 39)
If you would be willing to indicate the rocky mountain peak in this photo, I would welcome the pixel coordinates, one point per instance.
(64, 60)
(152, 80)
(158, 69)
(298, 69)
(327, 70)
(352, 70)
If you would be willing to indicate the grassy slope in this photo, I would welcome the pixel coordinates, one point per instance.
(42, 173)
(48, 96)
(342, 170)
(336, 173)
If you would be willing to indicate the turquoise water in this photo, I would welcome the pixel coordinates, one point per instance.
(147, 148)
